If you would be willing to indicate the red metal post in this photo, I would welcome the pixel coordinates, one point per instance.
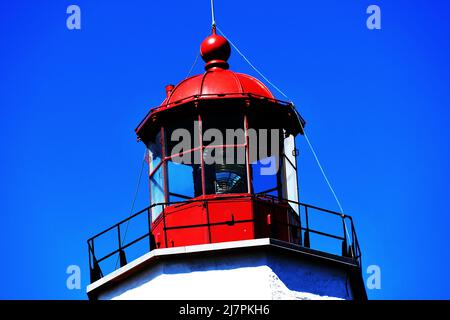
(247, 156)
(166, 191)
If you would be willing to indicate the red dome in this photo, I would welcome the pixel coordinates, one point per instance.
(218, 82)
(214, 87)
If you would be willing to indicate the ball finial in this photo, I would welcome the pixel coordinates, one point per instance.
(215, 51)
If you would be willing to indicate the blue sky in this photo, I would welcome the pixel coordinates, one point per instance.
(376, 104)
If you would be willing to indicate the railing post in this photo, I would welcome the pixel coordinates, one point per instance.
(90, 259)
(353, 241)
(206, 207)
(355, 244)
(307, 242)
(164, 223)
(151, 238)
(95, 272)
(299, 229)
(91, 268)
(122, 256)
(345, 252)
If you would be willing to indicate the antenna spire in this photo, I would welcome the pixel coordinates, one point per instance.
(213, 19)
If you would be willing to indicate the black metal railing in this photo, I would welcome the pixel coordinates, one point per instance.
(350, 244)
(348, 238)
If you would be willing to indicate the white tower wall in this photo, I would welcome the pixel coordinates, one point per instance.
(261, 269)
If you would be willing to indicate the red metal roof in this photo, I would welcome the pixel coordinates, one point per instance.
(216, 85)
(217, 81)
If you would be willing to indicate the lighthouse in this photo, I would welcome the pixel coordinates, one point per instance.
(225, 220)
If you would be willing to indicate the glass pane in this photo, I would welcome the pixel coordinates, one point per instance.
(155, 152)
(182, 135)
(182, 185)
(265, 176)
(157, 192)
(225, 170)
(290, 191)
(264, 149)
(223, 127)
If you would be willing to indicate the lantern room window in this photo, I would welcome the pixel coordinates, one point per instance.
(180, 184)
(155, 152)
(224, 154)
(264, 183)
(218, 153)
(156, 182)
(181, 161)
(228, 173)
(273, 165)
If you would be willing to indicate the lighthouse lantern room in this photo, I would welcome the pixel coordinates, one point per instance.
(208, 182)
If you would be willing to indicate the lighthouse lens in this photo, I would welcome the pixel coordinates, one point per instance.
(230, 179)
(228, 174)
